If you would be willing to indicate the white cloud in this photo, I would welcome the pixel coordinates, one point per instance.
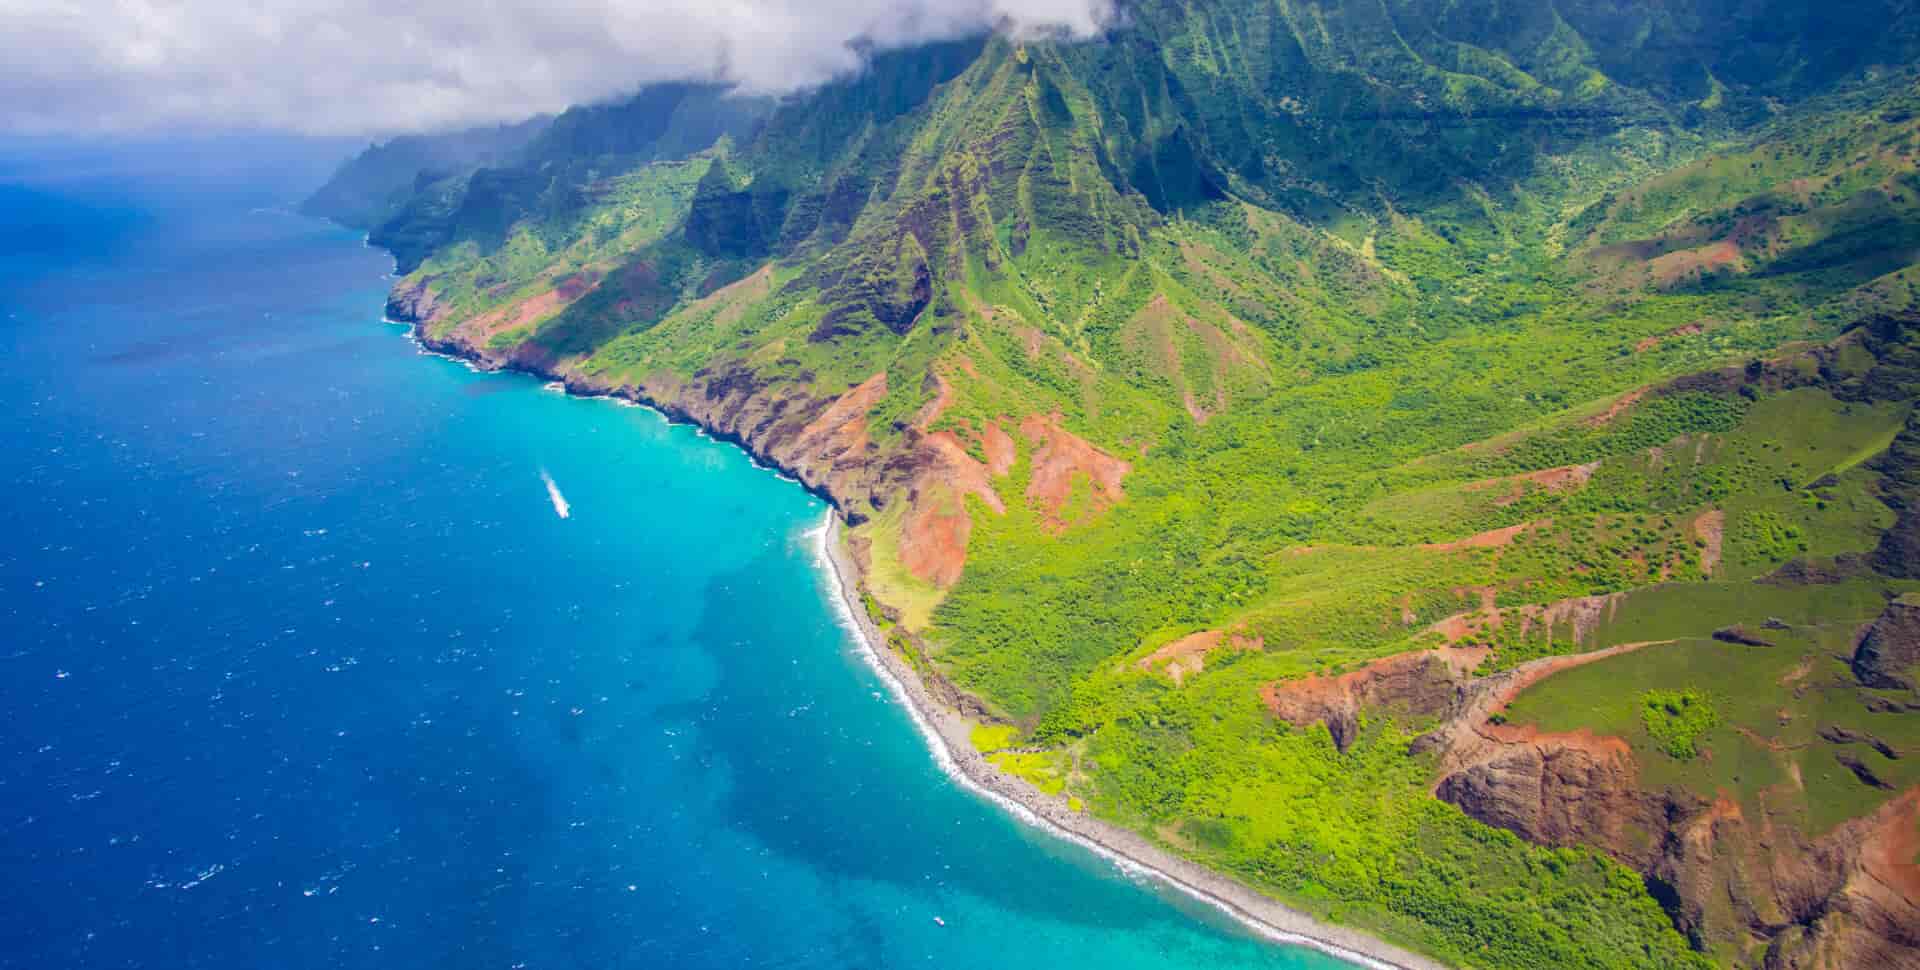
(377, 66)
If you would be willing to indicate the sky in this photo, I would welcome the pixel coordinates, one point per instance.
(373, 67)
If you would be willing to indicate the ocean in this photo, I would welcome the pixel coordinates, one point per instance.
(303, 667)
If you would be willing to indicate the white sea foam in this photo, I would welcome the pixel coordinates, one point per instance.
(425, 351)
(943, 758)
(773, 470)
(471, 367)
(560, 506)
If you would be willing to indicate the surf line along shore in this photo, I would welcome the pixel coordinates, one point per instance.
(948, 736)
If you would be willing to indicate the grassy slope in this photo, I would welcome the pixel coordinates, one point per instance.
(1316, 341)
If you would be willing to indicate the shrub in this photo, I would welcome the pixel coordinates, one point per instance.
(1677, 718)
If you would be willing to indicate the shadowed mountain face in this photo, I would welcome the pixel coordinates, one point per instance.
(1186, 383)
(366, 190)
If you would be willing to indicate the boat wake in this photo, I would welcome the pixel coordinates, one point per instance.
(560, 506)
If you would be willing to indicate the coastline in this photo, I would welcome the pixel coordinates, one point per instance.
(947, 733)
(948, 738)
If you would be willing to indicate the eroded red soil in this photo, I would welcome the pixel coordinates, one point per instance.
(1512, 487)
(1710, 528)
(1059, 458)
(1187, 656)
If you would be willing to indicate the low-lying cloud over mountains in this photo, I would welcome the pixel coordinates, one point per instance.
(372, 66)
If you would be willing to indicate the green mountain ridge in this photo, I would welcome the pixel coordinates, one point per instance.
(1430, 460)
(367, 190)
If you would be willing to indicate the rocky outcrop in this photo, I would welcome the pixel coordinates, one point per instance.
(1739, 635)
(414, 301)
(1759, 885)
(1806, 571)
(1560, 789)
(822, 442)
(1889, 655)
(1551, 789)
(1834, 734)
(1849, 898)
(1855, 894)
(1422, 684)
(1898, 552)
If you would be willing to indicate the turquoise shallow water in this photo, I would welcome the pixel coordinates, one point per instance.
(303, 670)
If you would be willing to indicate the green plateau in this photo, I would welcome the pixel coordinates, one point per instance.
(1448, 465)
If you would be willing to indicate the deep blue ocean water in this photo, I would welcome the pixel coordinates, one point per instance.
(301, 669)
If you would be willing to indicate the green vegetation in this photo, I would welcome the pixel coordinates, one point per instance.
(1770, 704)
(1043, 770)
(988, 738)
(1390, 326)
(1360, 843)
(373, 186)
(1676, 719)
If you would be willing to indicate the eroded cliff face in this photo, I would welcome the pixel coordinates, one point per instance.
(1419, 685)
(1888, 657)
(1832, 903)
(1566, 789)
(1851, 898)
(415, 302)
(823, 440)
(1757, 885)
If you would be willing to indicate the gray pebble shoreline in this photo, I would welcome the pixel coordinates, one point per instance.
(948, 733)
